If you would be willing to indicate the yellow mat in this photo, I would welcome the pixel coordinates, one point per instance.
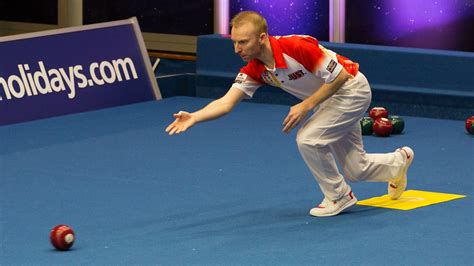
(411, 199)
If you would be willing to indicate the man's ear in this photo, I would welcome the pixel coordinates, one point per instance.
(262, 38)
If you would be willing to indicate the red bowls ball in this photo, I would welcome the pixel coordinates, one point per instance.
(382, 127)
(469, 122)
(378, 112)
(62, 237)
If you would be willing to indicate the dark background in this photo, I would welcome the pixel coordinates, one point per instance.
(438, 24)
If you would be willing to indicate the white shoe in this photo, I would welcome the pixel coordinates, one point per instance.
(331, 208)
(397, 187)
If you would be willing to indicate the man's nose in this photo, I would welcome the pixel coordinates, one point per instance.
(237, 48)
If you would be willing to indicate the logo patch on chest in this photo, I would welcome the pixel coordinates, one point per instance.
(268, 78)
(296, 75)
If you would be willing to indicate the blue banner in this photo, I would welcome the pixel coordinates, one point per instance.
(74, 70)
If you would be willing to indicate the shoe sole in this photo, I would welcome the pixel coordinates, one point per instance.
(344, 207)
(403, 174)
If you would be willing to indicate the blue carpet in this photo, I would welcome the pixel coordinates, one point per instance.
(229, 191)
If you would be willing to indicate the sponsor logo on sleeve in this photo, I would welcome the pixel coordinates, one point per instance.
(331, 66)
(241, 77)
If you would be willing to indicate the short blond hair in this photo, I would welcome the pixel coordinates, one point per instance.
(253, 17)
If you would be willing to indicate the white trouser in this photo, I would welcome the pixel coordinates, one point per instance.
(333, 134)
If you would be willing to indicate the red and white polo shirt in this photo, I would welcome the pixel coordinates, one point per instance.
(302, 66)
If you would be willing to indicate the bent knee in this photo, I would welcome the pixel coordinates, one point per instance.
(311, 143)
(305, 137)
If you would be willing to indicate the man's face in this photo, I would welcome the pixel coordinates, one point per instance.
(247, 43)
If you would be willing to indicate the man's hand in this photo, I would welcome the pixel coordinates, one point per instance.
(298, 112)
(295, 116)
(184, 120)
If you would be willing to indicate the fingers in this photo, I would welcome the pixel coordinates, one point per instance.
(288, 127)
(286, 123)
(290, 123)
(289, 120)
(176, 128)
(286, 120)
(170, 126)
(172, 131)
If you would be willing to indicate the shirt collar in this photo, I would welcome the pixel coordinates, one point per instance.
(277, 53)
(277, 56)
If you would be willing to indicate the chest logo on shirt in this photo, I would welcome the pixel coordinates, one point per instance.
(296, 75)
(269, 78)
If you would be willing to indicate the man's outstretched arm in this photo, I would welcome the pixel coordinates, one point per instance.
(215, 109)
